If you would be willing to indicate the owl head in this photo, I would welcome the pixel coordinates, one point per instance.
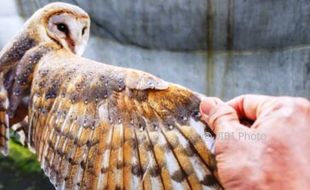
(63, 23)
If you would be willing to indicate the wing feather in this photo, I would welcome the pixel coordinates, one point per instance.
(105, 157)
(4, 132)
(4, 120)
(132, 174)
(104, 128)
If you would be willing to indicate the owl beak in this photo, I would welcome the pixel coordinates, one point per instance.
(75, 43)
(79, 50)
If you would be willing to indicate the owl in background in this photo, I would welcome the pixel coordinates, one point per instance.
(97, 126)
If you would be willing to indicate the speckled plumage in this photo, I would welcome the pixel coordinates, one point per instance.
(97, 126)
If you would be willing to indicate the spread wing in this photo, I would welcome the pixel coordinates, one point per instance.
(95, 126)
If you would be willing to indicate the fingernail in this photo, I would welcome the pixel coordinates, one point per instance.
(206, 106)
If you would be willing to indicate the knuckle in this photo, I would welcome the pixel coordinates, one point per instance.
(289, 106)
(292, 102)
(223, 114)
(299, 104)
(280, 104)
(302, 103)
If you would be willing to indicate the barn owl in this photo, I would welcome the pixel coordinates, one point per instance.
(97, 126)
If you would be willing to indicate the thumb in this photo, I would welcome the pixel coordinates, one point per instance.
(219, 116)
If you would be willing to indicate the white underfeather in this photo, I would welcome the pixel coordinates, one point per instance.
(84, 158)
(29, 134)
(21, 133)
(103, 112)
(63, 126)
(200, 128)
(105, 161)
(45, 151)
(182, 140)
(177, 185)
(136, 179)
(155, 181)
(78, 135)
(198, 168)
(43, 144)
(65, 171)
(120, 154)
(207, 188)
(66, 166)
(78, 176)
(171, 162)
(34, 99)
(50, 137)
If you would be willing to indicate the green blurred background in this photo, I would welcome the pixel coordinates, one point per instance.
(20, 170)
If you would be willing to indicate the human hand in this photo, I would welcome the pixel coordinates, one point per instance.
(271, 153)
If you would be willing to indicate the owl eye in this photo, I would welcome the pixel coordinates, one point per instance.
(83, 30)
(63, 28)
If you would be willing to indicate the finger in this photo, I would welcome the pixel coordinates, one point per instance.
(249, 106)
(207, 105)
(219, 116)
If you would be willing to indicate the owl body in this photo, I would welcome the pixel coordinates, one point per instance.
(97, 126)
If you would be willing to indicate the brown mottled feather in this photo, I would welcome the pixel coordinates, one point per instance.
(100, 126)
(4, 121)
(4, 133)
